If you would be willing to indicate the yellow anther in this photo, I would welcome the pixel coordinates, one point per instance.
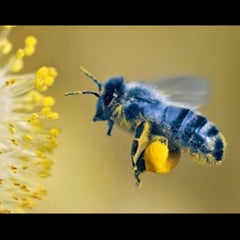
(28, 137)
(36, 195)
(36, 162)
(13, 169)
(1, 180)
(5, 46)
(15, 197)
(52, 142)
(14, 141)
(17, 65)
(11, 128)
(20, 53)
(27, 203)
(1, 151)
(24, 158)
(11, 124)
(39, 84)
(35, 96)
(49, 80)
(53, 115)
(39, 194)
(33, 117)
(48, 101)
(30, 41)
(15, 183)
(42, 191)
(54, 131)
(11, 81)
(52, 72)
(44, 174)
(25, 188)
(45, 78)
(42, 72)
(24, 167)
(47, 112)
(40, 154)
(29, 50)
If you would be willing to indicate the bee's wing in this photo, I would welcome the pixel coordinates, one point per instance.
(188, 91)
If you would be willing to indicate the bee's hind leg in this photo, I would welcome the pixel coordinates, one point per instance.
(139, 143)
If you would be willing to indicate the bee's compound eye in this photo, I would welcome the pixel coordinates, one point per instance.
(107, 98)
(157, 158)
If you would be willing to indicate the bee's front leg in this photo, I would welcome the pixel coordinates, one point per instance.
(139, 143)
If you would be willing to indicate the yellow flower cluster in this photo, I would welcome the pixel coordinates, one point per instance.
(26, 141)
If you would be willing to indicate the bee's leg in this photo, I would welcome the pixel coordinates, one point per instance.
(139, 168)
(138, 144)
(110, 127)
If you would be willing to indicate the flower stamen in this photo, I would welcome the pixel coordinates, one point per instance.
(26, 143)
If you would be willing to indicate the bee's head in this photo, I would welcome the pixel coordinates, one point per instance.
(109, 95)
(110, 98)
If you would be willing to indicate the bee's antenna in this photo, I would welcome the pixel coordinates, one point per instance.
(89, 75)
(80, 92)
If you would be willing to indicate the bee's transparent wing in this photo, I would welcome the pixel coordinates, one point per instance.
(188, 91)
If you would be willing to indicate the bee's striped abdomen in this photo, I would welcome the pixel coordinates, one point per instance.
(195, 133)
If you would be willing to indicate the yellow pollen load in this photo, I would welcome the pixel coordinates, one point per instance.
(157, 158)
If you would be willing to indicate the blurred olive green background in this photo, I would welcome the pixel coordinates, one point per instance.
(92, 172)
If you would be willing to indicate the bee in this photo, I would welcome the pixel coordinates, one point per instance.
(163, 118)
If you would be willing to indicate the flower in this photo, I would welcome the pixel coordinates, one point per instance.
(26, 141)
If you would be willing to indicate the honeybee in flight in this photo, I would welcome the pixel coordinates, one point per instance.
(163, 118)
